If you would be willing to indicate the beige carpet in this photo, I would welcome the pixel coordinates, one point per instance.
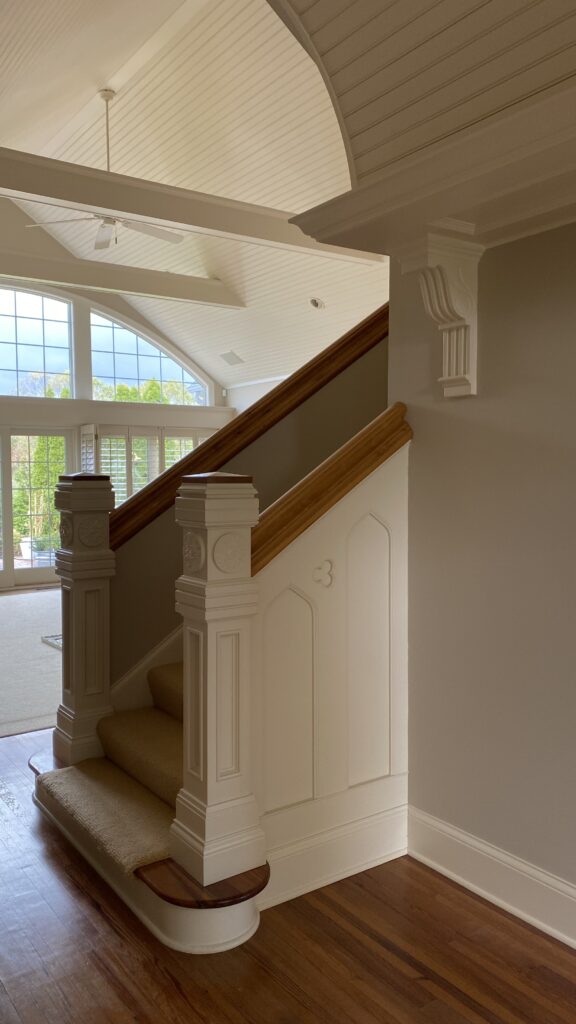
(30, 671)
(147, 744)
(123, 819)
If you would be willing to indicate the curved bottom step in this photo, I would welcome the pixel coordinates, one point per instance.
(187, 930)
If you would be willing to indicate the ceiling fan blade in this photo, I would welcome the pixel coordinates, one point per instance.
(104, 235)
(69, 220)
(155, 232)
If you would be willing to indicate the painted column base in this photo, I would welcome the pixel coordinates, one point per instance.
(75, 738)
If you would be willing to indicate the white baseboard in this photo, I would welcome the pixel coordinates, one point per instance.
(541, 899)
(132, 690)
(335, 853)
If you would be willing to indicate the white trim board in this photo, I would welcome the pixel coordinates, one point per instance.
(309, 863)
(528, 892)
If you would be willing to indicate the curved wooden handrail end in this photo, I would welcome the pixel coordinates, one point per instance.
(318, 492)
(142, 508)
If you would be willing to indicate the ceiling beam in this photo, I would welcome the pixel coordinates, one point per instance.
(30, 177)
(110, 277)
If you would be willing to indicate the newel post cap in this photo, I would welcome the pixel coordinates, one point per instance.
(84, 492)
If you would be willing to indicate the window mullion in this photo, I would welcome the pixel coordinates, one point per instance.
(129, 474)
(81, 349)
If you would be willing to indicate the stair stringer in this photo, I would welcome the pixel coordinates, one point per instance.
(132, 689)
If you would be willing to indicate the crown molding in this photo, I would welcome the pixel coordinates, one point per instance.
(504, 178)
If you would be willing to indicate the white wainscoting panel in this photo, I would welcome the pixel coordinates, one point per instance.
(330, 690)
(368, 655)
(289, 667)
(536, 896)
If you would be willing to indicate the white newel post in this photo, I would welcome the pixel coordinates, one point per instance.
(216, 832)
(85, 564)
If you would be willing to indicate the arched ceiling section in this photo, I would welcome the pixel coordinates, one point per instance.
(229, 105)
(409, 76)
(215, 96)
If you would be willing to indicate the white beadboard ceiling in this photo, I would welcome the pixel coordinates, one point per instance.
(217, 97)
(408, 74)
(278, 330)
(55, 54)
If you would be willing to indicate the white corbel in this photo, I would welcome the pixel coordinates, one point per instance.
(448, 275)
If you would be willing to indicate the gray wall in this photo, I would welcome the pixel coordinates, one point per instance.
(492, 557)
(142, 592)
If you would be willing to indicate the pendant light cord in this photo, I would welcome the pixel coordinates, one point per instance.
(107, 134)
(107, 95)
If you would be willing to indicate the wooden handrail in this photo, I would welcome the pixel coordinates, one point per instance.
(142, 508)
(309, 499)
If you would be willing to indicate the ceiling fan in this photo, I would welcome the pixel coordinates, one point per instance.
(108, 226)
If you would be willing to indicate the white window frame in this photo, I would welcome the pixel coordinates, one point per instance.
(80, 339)
(163, 346)
(11, 577)
(7, 286)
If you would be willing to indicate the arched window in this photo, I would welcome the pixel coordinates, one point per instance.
(128, 368)
(34, 345)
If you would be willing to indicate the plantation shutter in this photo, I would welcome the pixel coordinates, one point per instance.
(88, 448)
(114, 463)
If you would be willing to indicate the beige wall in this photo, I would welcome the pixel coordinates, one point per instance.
(142, 592)
(492, 526)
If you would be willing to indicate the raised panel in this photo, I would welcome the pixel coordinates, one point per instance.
(368, 659)
(289, 652)
(67, 626)
(228, 705)
(193, 702)
(93, 626)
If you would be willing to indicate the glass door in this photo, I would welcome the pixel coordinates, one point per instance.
(30, 521)
(4, 486)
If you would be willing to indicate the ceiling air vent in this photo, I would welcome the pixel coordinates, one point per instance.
(232, 358)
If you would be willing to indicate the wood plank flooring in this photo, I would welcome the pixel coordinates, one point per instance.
(395, 945)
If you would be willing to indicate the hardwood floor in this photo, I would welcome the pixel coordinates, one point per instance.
(394, 945)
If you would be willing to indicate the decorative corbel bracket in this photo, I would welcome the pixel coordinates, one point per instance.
(448, 274)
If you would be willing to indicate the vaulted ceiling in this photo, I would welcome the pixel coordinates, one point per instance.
(214, 96)
(457, 115)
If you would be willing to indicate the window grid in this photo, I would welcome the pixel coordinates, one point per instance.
(127, 367)
(34, 345)
(37, 462)
(114, 463)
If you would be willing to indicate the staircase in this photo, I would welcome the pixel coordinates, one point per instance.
(280, 736)
(118, 809)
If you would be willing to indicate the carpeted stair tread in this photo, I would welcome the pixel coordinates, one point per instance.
(166, 684)
(147, 744)
(121, 818)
